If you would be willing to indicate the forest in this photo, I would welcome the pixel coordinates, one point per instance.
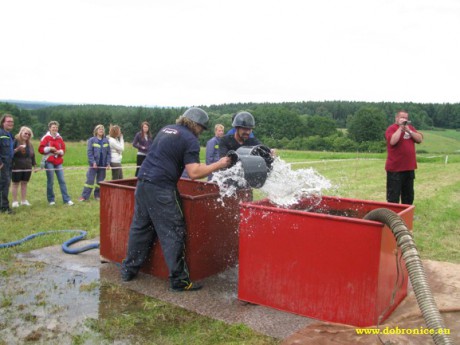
(327, 125)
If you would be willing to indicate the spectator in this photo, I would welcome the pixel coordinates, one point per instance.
(117, 146)
(23, 162)
(52, 146)
(401, 160)
(212, 146)
(99, 155)
(6, 158)
(142, 141)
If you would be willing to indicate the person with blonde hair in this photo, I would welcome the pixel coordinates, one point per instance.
(99, 157)
(23, 163)
(117, 146)
(52, 147)
(212, 146)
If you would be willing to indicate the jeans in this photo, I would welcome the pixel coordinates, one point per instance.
(157, 213)
(5, 181)
(50, 182)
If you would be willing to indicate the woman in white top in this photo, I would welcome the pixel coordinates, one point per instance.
(117, 145)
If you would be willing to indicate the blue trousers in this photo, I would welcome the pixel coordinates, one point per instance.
(157, 214)
(92, 174)
(51, 169)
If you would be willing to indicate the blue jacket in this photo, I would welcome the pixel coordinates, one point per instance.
(95, 150)
(6, 147)
(212, 150)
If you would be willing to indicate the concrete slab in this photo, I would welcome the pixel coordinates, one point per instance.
(218, 299)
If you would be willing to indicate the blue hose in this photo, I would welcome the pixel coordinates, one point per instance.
(65, 245)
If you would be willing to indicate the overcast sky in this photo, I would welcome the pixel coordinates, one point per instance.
(187, 52)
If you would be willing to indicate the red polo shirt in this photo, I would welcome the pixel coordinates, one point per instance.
(401, 157)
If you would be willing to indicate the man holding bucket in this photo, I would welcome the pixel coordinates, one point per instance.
(157, 210)
(242, 146)
(244, 123)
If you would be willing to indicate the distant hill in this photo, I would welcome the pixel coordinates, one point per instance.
(30, 105)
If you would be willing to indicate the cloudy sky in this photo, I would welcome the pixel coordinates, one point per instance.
(201, 52)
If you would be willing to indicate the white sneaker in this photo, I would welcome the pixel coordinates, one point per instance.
(52, 203)
(15, 204)
(25, 203)
(70, 203)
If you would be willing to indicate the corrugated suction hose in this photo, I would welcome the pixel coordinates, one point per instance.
(416, 271)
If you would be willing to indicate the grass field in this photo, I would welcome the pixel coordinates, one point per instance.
(354, 175)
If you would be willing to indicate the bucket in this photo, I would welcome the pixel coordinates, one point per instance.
(259, 150)
(256, 163)
(255, 170)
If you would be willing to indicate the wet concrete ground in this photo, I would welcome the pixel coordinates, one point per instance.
(56, 291)
(45, 302)
(217, 299)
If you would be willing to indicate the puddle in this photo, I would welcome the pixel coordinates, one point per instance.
(45, 304)
(49, 297)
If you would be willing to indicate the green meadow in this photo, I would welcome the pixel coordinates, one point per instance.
(354, 175)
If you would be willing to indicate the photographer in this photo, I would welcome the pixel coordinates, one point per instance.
(401, 161)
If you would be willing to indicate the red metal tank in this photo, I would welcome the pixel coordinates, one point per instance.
(212, 226)
(326, 263)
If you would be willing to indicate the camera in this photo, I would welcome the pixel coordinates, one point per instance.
(404, 123)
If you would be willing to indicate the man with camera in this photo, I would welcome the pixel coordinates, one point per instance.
(401, 162)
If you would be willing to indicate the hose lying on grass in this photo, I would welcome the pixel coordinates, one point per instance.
(65, 246)
(423, 294)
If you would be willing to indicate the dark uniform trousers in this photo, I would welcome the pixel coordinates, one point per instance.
(157, 214)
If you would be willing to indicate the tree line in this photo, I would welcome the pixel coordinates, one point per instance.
(290, 125)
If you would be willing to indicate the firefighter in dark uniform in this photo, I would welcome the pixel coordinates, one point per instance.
(244, 123)
(157, 210)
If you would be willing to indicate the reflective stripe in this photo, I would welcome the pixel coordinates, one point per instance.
(178, 204)
(105, 145)
(89, 186)
(96, 145)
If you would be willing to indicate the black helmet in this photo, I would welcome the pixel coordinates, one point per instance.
(244, 119)
(197, 115)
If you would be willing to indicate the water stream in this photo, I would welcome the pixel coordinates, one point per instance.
(284, 186)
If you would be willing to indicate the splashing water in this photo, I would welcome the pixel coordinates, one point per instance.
(230, 180)
(284, 187)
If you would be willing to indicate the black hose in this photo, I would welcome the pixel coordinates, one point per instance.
(416, 272)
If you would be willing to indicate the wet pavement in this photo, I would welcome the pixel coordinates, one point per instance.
(218, 298)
